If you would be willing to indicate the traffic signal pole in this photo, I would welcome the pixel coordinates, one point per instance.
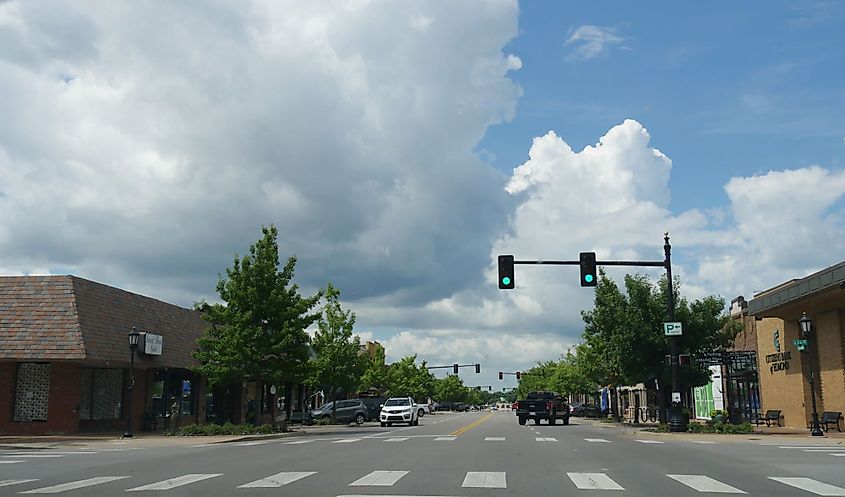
(677, 421)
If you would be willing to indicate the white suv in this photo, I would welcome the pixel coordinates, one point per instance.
(399, 410)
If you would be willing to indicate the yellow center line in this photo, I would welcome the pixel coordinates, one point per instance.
(472, 425)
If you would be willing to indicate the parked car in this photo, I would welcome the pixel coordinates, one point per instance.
(583, 409)
(348, 411)
(422, 409)
(399, 410)
(373, 406)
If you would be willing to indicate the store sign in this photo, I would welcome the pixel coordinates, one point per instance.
(776, 340)
(778, 361)
(152, 344)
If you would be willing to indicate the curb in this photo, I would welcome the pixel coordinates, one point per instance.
(245, 438)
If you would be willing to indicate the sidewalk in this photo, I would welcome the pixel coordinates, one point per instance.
(141, 440)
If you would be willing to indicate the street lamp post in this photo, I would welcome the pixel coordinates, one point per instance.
(807, 330)
(134, 336)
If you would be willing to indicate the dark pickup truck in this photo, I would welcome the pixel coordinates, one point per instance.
(542, 405)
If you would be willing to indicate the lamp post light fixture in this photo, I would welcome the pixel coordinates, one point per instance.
(806, 331)
(134, 337)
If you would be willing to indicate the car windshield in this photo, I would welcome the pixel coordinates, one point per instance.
(397, 402)
(327, 405)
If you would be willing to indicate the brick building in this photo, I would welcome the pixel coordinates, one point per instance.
(783, 370)
(64, 357)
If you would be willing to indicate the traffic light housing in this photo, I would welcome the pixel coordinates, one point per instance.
(455, 368)
(477, 368)
(501, 375)
(684, 360)
(506, 272)
(589, 277)
(518, 375)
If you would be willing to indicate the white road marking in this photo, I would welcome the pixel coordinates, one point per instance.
(649, 441)
(597, 440)
(801, 447)
(444, 439)
(278, 479)
(9, 462)
(594, 481)
(59, 452)
(704, 442)
(494, 439)
(397, 439)
(837, 454)
(379, 479)
(248, 444)
(703, 483)
(824, 450)
(205, 445)
(485, 479)
(346, 440)
(298, 442)
(54, 489)
(6, 483)
(45, 456)
(546, 439)
(811, 485)
(175, 482)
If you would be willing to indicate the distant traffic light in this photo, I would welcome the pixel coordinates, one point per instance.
(455, 368)
(518, 375)
(588, 269)
(501, 375)
(477, 368)
(506, 272)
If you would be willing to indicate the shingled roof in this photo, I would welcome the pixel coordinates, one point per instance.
(68, 318)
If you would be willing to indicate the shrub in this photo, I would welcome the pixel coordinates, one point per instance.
(226, 429)
(723, 428)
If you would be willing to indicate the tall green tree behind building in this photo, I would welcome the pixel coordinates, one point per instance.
(339, 363)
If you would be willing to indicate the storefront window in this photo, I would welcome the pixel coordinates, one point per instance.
(101, 394)
(32, 389)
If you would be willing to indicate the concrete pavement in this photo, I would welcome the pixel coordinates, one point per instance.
(467, 454)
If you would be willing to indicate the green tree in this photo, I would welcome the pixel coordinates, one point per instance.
(405, 378)
(339, 363)
(375, 373)
(258, 333)
(450, 389)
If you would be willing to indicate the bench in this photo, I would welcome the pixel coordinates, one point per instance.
(772, 415)
(830, 417)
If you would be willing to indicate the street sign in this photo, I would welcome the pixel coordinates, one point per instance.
(676, 396)
(672, 329)
(800, 343)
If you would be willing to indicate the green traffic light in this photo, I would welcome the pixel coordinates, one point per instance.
(588, 278)
(506, 281)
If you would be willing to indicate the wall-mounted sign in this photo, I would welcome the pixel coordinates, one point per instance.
(776, 340)
(152, 344)
(778, 361)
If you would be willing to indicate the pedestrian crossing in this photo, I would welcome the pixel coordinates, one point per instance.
(390, 478)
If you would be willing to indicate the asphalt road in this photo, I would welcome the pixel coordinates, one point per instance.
(470, 454)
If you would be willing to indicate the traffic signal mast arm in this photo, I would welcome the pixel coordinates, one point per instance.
(598, 263)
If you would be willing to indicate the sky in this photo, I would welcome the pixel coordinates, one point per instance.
(399, 147)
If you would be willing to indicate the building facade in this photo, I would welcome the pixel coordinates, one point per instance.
(64, 358)
(784, 370)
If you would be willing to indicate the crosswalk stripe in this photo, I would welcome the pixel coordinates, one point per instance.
(175, 482)
(397, 439)
(298, 442)
(444, 439)
(346, 440)
(594, 481)
(279, 479)
(649, 441)
(837, 454)
(494, 439)
(247, 444)
(546, 439)
(705, 484)
(6, 483)
(824, 450)
(704, 442)
(54, 489)
(811, 485)
(597, 440)
(485, 479)
(9, 462)
(379, 479)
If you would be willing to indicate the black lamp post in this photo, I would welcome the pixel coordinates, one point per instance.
(134, 336)
(807, 330)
